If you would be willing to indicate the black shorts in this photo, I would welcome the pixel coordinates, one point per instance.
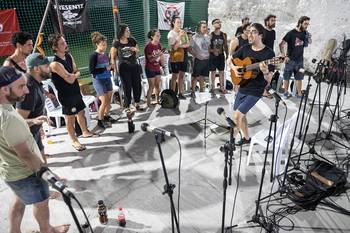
(176, 67)
(152, 74)
(217, 63)
(200, 68)
(73, 105)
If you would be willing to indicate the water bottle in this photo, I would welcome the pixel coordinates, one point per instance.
(121, 217)
(102, 212)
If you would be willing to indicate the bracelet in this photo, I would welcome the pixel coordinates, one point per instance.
(266, 73)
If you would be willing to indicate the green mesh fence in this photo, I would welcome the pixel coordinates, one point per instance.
(140, 15)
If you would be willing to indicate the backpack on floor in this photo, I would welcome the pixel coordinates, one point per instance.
(168, 99)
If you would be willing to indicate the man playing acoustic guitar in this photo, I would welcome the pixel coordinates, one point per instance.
(251, 88)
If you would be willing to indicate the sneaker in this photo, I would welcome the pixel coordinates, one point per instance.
(243, 141)
(193, 95)
(138, 107)
(102, 124)
(286, 95)
(181, 96)
(110, 119)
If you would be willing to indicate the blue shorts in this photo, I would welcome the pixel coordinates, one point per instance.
(30, 190)
(292, 67)
(102, 86)
(244, 103)
(152, 74)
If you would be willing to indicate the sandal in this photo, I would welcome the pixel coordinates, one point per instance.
(91, 135)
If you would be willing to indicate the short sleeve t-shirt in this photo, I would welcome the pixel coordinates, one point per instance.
(33, 102)
(177, 55)
(295, 41)
(254, 86)
(269, 38)
(98, 64)
(125, 54)
(13, 131)
(151, 52)
(200, 44)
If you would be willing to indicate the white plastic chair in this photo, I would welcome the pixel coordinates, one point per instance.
(165, 76)
(281, 140)
(144, 81)
(53, 111)
(117, 88)
(56, 112)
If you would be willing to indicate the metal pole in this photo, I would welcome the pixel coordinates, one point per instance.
(59, 19)
(146, 18)
(116, 17)
(42, 24)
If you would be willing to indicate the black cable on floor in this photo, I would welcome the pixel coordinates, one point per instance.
(237, 185)
(179, 181)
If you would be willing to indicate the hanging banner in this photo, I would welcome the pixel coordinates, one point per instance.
(73, 14)
(8, 25)
(166, 11)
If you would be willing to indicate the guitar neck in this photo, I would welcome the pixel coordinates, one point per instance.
(255, 66)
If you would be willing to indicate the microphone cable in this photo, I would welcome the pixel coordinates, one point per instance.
(179, 181)
(237, 185)
(82, 209)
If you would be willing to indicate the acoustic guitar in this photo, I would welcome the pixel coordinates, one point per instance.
(250, 69)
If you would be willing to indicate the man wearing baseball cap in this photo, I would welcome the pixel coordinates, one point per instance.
(32, 108)
(20, 157)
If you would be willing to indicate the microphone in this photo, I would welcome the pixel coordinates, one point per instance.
(275, 95)
(47, 175)
(146, 127)
(221, 112)
(306, 72)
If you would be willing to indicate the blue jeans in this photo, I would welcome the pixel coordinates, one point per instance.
(292, 67)
(244, 103)
(102, 86)
(30, 190)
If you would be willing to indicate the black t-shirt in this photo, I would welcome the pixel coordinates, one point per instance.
(269, 38)
(33, 102)
(239, 31)
(65, 90)
(241, 42)
(296, 42)
(98, 63)
(125, 55)
(254, 86)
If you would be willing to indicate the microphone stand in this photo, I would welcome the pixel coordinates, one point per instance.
(168, 188)
(67, 200)
(228, 148)
(256, 216)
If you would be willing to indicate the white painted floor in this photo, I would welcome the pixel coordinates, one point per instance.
(124, 170)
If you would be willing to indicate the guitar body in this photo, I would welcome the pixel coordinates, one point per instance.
(250, 69)
(247, 73)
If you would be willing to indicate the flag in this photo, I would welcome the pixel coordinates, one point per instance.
(166, 11)
(8, 25)
(73, 14)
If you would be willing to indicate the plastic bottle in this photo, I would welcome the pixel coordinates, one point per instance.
(121, 217)
(102, 212)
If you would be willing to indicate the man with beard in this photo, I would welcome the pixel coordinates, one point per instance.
(23, 42)
(20, 158)
(252, 90)
(218, 48)
(296, 40)
(270, 34)
(33, 105)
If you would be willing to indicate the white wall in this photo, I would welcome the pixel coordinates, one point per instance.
(329, 18)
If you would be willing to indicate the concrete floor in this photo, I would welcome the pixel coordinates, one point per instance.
(125, 171)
